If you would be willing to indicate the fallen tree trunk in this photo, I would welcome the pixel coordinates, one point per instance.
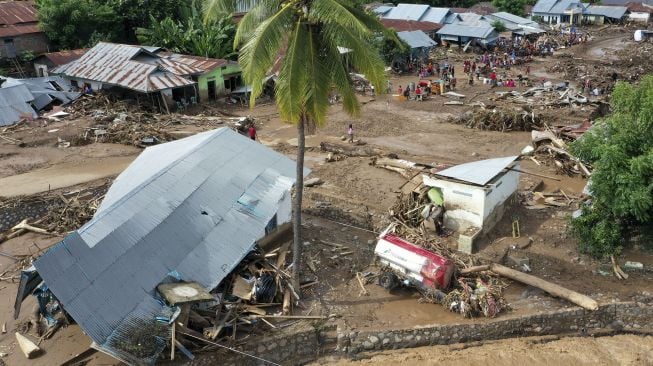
(553, 289)
(397, 163)
(350, 150)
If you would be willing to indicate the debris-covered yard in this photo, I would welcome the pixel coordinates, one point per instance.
(55, 173)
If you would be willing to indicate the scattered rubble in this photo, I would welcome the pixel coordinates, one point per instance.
(499, 119)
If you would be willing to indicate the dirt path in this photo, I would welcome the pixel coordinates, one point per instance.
(616, 350)
(63, 175)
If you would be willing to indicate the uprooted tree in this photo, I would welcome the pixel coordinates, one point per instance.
(620, 147)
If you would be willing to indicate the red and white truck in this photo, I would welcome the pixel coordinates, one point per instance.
(404, 263)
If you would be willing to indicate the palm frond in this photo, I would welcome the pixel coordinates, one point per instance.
(333, 12)
(262, 48)
(319, 78)
(291, 88)
(213, 8)
(340, 79)
(262, 11)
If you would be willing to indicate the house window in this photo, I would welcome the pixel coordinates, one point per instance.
(9, 40)
(74, 83)
(272, 225)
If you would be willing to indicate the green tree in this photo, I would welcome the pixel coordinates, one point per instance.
(511, 6)
(307, 35)
(620, 148)
(135, 14)
(498, 25)
(212, 38)
(70, 23)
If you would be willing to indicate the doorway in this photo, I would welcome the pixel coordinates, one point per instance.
(211, 89)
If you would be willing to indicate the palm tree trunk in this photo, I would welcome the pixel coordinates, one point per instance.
(297, 203)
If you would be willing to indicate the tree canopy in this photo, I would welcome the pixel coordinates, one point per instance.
(620, 148)
(512, 6)
(80, 23)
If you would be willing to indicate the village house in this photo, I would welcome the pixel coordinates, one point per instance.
(416, 12)
(419, 42)
(48, 61)
(559, 11)
(639, 12)
(515, 24)
(185, 212)
(19, 30)
(482, 34)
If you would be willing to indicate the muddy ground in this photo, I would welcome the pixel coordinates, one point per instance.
(359, 195)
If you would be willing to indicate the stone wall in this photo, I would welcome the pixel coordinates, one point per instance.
(626, 315)
(302, 346)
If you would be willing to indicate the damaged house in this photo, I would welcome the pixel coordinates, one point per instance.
(136, 69)
(475, 195)
(185, 212)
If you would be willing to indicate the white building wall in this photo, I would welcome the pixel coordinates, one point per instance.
(503, 188)
(640, 17)
(463, 203)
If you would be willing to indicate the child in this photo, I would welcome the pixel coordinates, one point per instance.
(350, 133)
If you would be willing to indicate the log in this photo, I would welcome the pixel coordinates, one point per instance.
(397, 163)
(28, 347)
(475, 269)
(553, 289)
(286, 302)
(24, 226)
(350, 150)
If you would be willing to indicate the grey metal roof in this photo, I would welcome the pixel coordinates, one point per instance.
(472, 20)
(407, 12)
(543, 6)
(436, 15)
(562, 6)
(131, 67)
(481, 32)
(15, 104)
(193, 207)
(416, 39)
(478, 172)
(615, 12)
(382, 10)
(502, 15)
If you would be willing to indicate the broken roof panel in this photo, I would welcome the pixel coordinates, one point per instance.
(15, 104)
(416, 39)
(478, 172)
(467, 31)
(195, 206)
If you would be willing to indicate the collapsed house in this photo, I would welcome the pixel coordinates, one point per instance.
(24, 98)
(482, 35)
(185, 212)
(475, 195)
(46, 62)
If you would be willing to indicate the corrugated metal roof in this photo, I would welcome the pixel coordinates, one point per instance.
(17, 12)
(436, 15)
(416, 39)
(614, 12)
(467, 31)
(543, 6)
(502, 15)
(478, 172)
(472, 20)
(15, 104)
(195, 206)
(20, 29)
(382, 10)
(131, 67)
(64, 57)
(562, 6)
(407, 12)
(204, 64)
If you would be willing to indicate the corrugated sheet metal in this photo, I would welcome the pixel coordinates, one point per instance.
(543, 6)
(410, 25)
(17, 30)
(64, 57)
(407, 12)
(382, 10)
(131, 67)
(204, 64)
(15, 104)
(436, 15)
(502, 15)
(466, 31)
(614, 12)
(472, 20)
(195, 206)
(478, 172)
(178, 68)
(562, 6)
(17, 12)
(416, 39)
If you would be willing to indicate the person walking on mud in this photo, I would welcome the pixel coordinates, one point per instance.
(252, 132)
(350, 133)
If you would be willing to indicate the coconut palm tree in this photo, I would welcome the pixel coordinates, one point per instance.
(304, 38)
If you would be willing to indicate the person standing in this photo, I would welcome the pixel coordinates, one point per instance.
(252, 132)
(350, 133)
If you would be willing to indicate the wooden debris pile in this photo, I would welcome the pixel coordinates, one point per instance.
(501, 120)
(540, 200)
(478, 296)
(551, 150)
